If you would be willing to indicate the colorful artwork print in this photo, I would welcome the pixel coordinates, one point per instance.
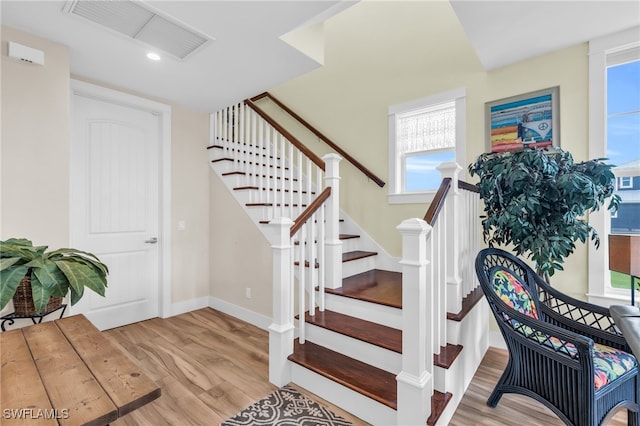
(526, 120)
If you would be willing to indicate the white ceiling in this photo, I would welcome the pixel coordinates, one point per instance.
(248, 57)
(504, 32)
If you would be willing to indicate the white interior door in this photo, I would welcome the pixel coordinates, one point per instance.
(115, 208)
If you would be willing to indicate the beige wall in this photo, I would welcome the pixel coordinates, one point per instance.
(380, 54)
(35, 164)
(35, 143)
(240, 254)
(189, 203)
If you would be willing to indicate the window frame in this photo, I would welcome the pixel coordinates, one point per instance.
(623, 185)
(599, 277)
(397, 194)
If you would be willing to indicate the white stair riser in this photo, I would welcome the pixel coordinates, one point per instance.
(358, 266)
(371, 354)
(351, 244)
(473, 335)
(224, 166)
(384, 315)
(365, 408)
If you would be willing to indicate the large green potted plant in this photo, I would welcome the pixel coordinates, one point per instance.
(49, 274)
(536, 200)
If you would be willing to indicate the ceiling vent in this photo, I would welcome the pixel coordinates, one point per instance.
(136, 20)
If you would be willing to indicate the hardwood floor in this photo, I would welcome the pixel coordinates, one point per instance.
(210, 366)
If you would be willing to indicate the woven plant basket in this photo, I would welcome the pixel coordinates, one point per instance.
(23, 300)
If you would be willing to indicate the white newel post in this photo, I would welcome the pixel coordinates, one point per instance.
(281, 329)
(415, 381)
(333, 245)
(452, 236)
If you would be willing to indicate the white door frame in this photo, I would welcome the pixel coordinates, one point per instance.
(164, 114)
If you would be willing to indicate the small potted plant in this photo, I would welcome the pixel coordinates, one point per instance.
(536, 200)
(37, 279)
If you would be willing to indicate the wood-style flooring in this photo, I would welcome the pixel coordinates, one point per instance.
(210, 366)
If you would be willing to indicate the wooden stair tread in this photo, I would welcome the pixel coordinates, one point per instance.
(255, 188)
(348, 236)
(341, 237)
(367, 331)
(439, 402)
(237, 172)
(375, 286)
(357, 254)
(468, 303)
(346, 257)
(217, 160)
(447, 356)
(373, 382)
(271, 204)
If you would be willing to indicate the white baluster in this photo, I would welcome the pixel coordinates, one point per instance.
(283, 175)
(263, 183)
(270, 179)
(321, 257)
(415, 381)
(302, 233)
(224, 129)
(253, 141)
(299, 184)
(333, 245)
(289, 183)
(234, 137)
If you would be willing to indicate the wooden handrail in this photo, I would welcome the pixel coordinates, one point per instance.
(438, 200)
(306, 151)
(468, 186)
(310, 210)
(325, 139)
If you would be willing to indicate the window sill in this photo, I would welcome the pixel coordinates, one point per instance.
(411, 198)
(608, 299)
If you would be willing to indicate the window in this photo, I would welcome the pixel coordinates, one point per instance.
(614, 131)
(625, 182)
(423, 134)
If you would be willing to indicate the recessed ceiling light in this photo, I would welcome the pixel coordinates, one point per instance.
(153, 56)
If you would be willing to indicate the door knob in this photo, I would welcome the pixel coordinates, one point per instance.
(153, 240)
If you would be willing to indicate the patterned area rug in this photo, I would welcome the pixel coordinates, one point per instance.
(286, 407)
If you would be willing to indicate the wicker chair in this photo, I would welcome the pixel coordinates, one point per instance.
(563, 352)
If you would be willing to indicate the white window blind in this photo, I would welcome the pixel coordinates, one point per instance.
(427, 129)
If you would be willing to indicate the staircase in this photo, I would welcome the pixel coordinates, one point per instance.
(393, 342)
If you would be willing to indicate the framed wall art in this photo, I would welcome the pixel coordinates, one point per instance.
(531, 119)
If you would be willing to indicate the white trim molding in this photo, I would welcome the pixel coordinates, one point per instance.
(253, 318)
(396, 194)
(598, 266)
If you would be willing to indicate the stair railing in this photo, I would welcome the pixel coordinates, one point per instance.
(285, 171)
(335, 147)
(313, 241)
(437, 273)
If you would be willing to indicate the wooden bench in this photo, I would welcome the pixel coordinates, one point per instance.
(66, 372)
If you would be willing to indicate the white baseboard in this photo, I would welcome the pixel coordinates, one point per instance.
(496, 340)
(253, 318)
(189, 305)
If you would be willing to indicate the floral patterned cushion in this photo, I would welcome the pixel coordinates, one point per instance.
(511, 291)
(608, 363)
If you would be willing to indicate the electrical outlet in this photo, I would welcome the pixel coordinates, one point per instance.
(247, 292)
